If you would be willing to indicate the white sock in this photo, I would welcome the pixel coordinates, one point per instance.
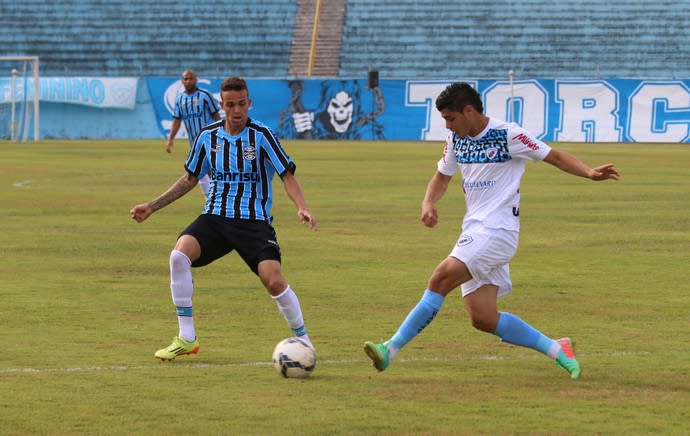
(182, 288)
(288, 304)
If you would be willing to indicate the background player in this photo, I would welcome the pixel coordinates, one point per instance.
(491, 156)
(197, 108)
(242, 156)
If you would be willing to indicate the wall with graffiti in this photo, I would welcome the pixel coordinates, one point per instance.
(611, 110)
(603, 110)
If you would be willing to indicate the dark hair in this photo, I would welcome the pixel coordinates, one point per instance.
(457, 95)
(233, 84)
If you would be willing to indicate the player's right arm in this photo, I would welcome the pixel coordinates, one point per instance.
(182, 186)
(174, 128)
(437, 187)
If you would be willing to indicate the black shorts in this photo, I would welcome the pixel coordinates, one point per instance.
(254, 240)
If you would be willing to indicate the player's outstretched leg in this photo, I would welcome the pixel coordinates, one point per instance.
(179, 347)
(378, 353)
(513, 330)
(418, 318)
(566, 357)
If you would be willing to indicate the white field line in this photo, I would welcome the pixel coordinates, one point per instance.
(116, 368)
(21, 184)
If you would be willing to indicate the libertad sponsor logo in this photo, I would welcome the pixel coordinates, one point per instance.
(221, 176)
(527, 141)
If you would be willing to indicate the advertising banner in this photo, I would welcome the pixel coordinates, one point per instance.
(606, 110)
(101, 92)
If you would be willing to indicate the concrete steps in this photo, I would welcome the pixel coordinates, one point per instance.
(329, 34)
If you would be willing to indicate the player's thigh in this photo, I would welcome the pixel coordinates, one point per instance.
(188, 245)
(255, 242)
(448, 275)
(209, 232)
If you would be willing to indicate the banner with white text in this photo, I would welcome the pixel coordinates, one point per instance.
(100, 92)
(606, 110)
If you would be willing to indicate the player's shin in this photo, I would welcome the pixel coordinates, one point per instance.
(289, 306)
(418, 318)
(513, 330)
(182, 288)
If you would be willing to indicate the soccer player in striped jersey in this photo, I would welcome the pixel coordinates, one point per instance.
(490, 155)
(242, 155)
(197, 108)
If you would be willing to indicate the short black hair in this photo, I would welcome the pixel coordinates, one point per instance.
(233, 84)
(457, 95)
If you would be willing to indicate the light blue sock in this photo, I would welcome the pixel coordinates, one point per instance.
(513, 330)
(418, 318)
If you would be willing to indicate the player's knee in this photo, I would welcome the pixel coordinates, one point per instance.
(276, 286)
(273, 281)
(483, 323)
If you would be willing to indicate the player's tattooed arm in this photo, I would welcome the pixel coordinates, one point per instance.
(182, 186)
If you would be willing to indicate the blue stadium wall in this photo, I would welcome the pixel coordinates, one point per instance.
(603, 110)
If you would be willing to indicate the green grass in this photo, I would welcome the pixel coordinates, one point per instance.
(85, 299)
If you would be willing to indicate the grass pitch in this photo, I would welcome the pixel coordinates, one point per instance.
(85, 299)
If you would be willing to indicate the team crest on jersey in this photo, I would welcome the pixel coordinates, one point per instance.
(248, 153)
(491, 153)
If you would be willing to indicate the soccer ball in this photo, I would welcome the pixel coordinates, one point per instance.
(294, 358)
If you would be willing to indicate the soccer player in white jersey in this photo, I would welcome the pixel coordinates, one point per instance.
(490, 155)
(242, 155)
(197, 108)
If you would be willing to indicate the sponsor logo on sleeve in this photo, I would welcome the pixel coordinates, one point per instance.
(527, 141)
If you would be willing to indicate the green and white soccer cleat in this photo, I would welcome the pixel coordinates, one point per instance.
(179, 347)
(566, 357)
(378, 353)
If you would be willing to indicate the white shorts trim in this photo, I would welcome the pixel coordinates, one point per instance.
(486, 253)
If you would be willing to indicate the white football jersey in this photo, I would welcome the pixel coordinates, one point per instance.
(492, 164)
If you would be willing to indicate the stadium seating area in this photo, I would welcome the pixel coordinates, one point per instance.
(535, 38)
(161, 38)
(411, 38)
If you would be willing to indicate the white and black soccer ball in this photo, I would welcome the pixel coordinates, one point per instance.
(294, 358)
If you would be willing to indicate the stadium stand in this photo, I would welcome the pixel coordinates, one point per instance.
(535, 38)
(400, 39)
(161, 38)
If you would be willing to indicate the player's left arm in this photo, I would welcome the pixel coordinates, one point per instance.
(294, 191)
(572, 165)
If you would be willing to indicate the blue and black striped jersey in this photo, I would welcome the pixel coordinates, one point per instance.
(196, 111)
(241, 168)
